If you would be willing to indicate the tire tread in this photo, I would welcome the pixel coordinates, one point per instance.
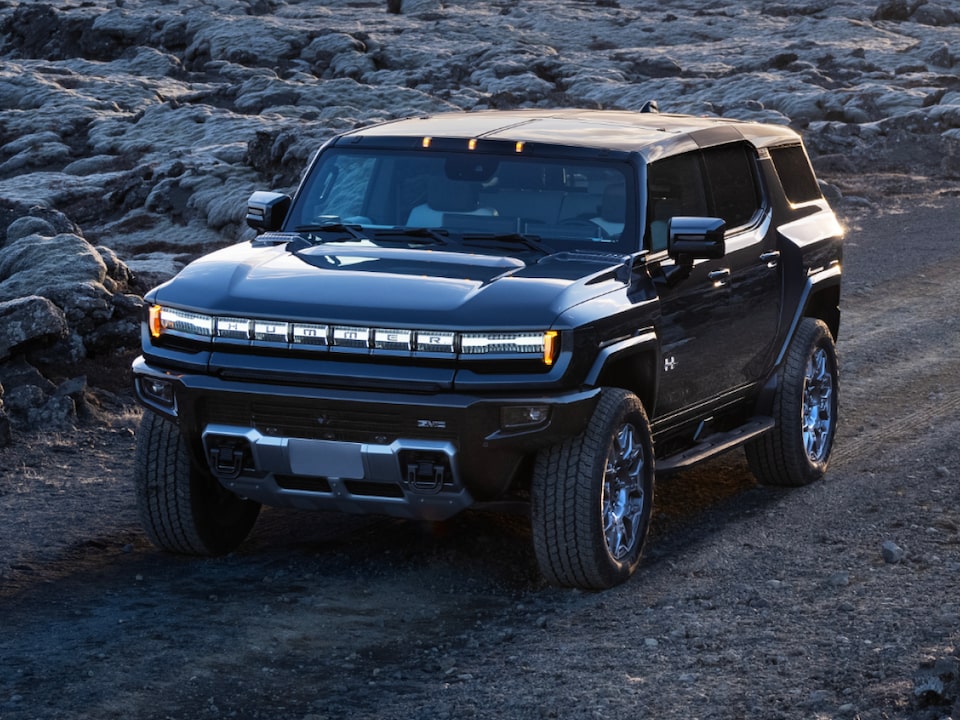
(173, 496)
(564, 515)
(777, 457)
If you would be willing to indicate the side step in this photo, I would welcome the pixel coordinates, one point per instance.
(716, 444)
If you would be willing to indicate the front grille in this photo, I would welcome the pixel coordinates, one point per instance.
(314, 420)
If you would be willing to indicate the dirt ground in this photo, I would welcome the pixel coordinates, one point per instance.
(837, 600)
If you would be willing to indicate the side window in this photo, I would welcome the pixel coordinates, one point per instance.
(796, 175)
(674, 188)
(731, 178)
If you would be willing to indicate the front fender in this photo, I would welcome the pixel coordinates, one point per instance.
(632, 364)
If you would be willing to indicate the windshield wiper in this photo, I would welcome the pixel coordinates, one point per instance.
(531, 242)
(332, 225)
(417, 234)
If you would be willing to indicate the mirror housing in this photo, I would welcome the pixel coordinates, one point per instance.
(266, 211)
(695, 238)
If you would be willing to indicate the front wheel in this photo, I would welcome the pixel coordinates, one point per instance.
(183, 508)
(797, 451)
(593, 496)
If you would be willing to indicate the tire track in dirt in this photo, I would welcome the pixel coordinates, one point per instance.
(881, 367)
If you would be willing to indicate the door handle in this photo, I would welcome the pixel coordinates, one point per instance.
(719, 277)
(772, 258)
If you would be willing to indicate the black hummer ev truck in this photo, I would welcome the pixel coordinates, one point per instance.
(465, 309)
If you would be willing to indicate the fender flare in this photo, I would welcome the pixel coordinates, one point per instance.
(641, 342)
(816, 282)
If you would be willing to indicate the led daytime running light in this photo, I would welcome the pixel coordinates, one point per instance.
(322, 336)
(185, 322)
(477, 343)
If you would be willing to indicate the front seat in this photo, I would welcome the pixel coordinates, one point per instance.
(613, 210)
(447, 196)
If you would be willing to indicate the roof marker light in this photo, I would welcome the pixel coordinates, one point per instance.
(519, 146)
(426, 142)
(472, 144)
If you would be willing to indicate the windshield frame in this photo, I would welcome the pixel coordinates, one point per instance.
(578, 173)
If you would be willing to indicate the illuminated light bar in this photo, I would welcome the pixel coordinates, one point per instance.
(266, 331)
(186, 322)
(320, 336)
(393, 339)
(349, 336)
(233, 328)
(439, 342)
(310, 334)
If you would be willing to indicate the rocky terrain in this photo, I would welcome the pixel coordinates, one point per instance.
(131, 134)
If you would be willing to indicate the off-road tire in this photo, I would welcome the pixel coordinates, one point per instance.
(182, 507)
(569, 502)
(797, 452)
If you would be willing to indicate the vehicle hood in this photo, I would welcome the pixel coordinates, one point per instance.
(390, 286)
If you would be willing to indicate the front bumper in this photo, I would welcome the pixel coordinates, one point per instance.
(405, 454)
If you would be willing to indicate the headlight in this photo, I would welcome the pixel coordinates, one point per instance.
(163, 319)
(511, 343)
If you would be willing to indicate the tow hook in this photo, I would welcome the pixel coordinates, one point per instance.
(425, 477)
(228, 460)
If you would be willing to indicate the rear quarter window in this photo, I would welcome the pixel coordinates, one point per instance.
(732, 182)
(795, 173)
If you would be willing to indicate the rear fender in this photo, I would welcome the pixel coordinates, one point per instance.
(820, 298)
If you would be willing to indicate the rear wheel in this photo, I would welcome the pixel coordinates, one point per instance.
(593, 495)
(797, 451)
(183, 508)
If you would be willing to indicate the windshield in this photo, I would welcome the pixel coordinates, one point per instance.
(489, 200)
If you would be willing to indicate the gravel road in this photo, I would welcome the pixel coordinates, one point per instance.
(837, 600)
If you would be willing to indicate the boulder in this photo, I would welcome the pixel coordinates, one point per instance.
(32, 402)
(29, 321)
(35, 260)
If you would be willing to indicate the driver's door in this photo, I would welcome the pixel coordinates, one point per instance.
(718, 324)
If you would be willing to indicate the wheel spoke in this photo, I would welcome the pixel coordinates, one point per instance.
(817, 406)
(623, 497)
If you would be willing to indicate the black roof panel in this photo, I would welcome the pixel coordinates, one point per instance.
(651, 134)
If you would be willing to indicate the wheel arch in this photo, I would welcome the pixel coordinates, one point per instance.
(820, 299)
(632, 365)
(825, 305)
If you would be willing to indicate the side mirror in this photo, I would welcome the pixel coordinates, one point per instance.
(695, 238)
(266, 211)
